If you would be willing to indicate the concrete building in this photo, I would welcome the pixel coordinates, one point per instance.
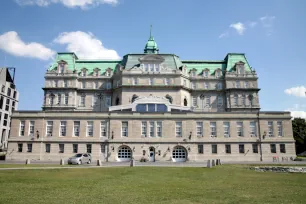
(8, 103)
(151, 106)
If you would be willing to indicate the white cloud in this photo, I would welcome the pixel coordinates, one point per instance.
(11, 43)
(239, 27)
(268, 22)
(252, 24)
(298, 111)
(223, 35)
(299, 91)
(85, 45)
(68, 3)
(298, 114)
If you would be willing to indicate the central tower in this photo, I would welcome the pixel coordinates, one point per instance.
(151, 46)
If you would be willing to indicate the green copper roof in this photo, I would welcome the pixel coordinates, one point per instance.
(233, 58)
(151, 46)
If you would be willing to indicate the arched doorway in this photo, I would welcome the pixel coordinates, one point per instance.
(179, 154)
(124, 153)
(152, 154)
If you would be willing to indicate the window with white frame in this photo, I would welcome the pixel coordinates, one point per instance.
(82, 100)
(205, 73)
(144, 128)
(89, 128)
(83, 73)
(103, 128)
(194, 101)
(66, 98)
(59, 99)
(96, 73)
(167, 81)
(31, 128)
(151, 67)
(239, 129)
(49, 128)
(108, 85)
(178, 129)
(226, 127)
(205, 85)
(146, 67)
(151, 82)
(246, 84)
(207, 101)
(22, 127)
(243, 101)
(135, 81)
(218, 74)
(279, 128)
(152, 129)
(124, 129)
(107, 73)
(63, 126)
(199, 129)
(219, 101)
(236, 99)
(193, 73)
(237, 84)
(219, 85)
(61, 68)
(65, 84)
(213, 129)
(240, 69)
(108, 101)
(270, 129)
(76, 128)
(253, 129)
(94, 100)
(159, 128)
(83, 84)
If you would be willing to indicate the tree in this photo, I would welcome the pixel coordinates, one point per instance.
(299, 134)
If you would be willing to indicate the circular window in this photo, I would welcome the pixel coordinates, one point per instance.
(124, 153)
(179, 154)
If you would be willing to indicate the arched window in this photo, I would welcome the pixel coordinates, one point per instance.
(117, 101)
(124, 153)
(185, 102)
(134, 97)
(169, 98)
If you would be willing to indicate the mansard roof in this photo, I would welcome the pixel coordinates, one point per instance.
(171, 61)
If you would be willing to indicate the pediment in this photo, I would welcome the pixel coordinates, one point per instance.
(97, 69)
(62, 62)
(151, 58)
(240, 63)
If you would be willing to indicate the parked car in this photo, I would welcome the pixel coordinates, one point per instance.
(80, 158)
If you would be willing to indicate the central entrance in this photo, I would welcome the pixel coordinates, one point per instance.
(152, 154)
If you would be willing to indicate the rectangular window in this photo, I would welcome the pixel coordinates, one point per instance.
(193, 85)
(241, 149)
(61, 148)
(66, 96)
(5, 120)
(8, 92)
(103, 128)
(219, 86)
(1, 102)
(31, 128)
(82, 101)
(97, 84)
(226, 127)
(253, 129)
(151, 81)
(255, 148)
(228, 149)
(108, 101)
(102, 146)
(213, 129)
(199, 129)
(279, 128)
(220, 101)
(29, 147)
(273, 148)
(159, 128)
(151, 67)
(65, 84)
(282, 148)
(205, 85)
(59, 98)
(207, 101)
(22, 125)
(135, 81)
(152, 129)
(48, 148)
(109, 85)
(88, 147)
(178, 129)
(243, 100)
(146, 67)
(167, 81)
(55, 83)
(144, 129)
(89, 128)
(239, 129)
(63, 125)
(14, 95)
(270, 128)
(76, 128)
(157, 67)
(237, 84)
(20, 147)
(205, 73)
(200, 149)
(124, 130)
(7, 106)
(49, 130)
(83, 84)
(214, 149)
(75, 148)
(194, 101)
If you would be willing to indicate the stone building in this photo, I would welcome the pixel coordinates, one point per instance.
(151, 106)
(8, 103)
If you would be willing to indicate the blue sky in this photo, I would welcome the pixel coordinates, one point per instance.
(270, 32)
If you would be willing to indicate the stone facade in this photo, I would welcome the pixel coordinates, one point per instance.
(152, 106)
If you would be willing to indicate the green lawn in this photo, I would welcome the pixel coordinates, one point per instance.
(222, 184)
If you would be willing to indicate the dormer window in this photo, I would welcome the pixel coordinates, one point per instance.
(218, 74)
(83, 73)
(61, 68)
(240, 68)
(193, 73)
(205, 74)
(107, 73)
(96, 73)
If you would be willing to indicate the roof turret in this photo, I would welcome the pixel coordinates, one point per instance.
(151, 46)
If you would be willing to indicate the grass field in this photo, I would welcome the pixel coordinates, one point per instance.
(222, 184)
